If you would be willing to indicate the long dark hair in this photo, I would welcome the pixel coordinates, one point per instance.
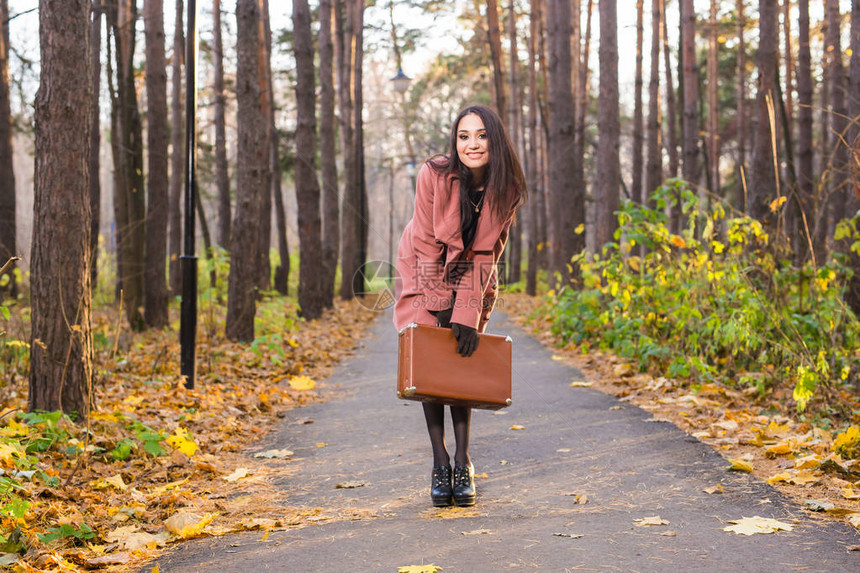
(504, 182)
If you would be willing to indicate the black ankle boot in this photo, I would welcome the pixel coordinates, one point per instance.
(440, 486)
(464, 485)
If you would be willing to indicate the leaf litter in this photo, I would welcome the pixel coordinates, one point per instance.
(158, 463)
(759, 433)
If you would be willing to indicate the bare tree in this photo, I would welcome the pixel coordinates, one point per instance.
(222, 176)
(344, 37)
(671, 111)
(852, 295)
(654, 163)
(8, 245)
(532, 164)
(788, 58)
(328, 154)
(264, 230)
(713, 103)
(741, 98)
(806, 184)
(563, 196)
(252, 163)
(515, 252)
(690, 92)
(838, 183)
(130, 194)
(763, 180)
(581, 105)
(307, 186)
(495, 39)
(177, 154)
(61, 344)
(608, 182)
(282, 272)
(95, 138)
(155, 294)
(638, 119)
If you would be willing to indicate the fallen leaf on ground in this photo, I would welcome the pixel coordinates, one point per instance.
(518, 427)
(349, 484)
(819, 504)
(112, 559)
(113, 481)
(140, 539)
(753, 525)
(570, 535)
(780, 477)
(653, 520)
(854, 520)
(418, 569)
(182, 441)
(580, 384)
(669, 534)
(740, 466)
(321, 444)
(563, 450)
(275, 454)
(260, 523)
(804, 477)
(478, 532)
(185, 524)
(237, 474)
(850, 493)
(302, 383)
(715, 489)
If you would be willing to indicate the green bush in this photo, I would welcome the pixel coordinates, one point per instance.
(714, 302)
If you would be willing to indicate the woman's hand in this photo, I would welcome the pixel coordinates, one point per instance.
(467, 338)
(443, 317)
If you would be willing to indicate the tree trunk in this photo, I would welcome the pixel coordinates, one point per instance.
(118, 203)
(132, 198)
(328, 155)
(563, 195)
(349, 236)
(61, 343)
(282, 272)
(824, 156)
(177, 153)
(638, 121)
(222, 176)
(740, 115)
(852, 294)
(671, 110)
(264, 232)
(95, 138)
(608, 183)
(805, 176)
(252, 163)
(363, 219)
(582, 106)
(8, 244)
(789, 67)
(713, 104)
(155, 295)
(514, 109)
(838, 183)
(307, 186)
(691, 93)
(763, 179)
(495, 40)
(532, 166)
(654, 163)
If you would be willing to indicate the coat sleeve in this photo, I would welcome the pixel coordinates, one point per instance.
(430, 253)
(473, 286)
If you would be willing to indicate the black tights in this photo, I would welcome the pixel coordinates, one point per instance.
(461, 416)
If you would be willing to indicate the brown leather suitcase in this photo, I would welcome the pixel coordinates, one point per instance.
(429, 369)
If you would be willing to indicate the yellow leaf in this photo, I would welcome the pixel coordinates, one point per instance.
(181, 440)
(653, 520)
(740, 466)
(185, 525)
(580, 384)
(113, 481)
(779, 449)
(155, 570)
(168, 486)
(678, 241)
(783, 476)
(804, 477)
(806, 462)
(321, 444)
(850, 493)
(292, 342)
(580, 229)
(8, 451)
(847, 443)
(14, 429)
(418, 569)
(715, 489)
(753, 525)
(777, 203)
(518, 427)
(302, 383)
(237, 474)
(854, 520)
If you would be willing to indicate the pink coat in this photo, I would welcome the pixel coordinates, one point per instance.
(431, 256)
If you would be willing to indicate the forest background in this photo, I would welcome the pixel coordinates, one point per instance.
(693, 171)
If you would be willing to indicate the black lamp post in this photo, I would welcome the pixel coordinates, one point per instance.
(188, 318)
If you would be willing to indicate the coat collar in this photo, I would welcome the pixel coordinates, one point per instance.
(448, 228)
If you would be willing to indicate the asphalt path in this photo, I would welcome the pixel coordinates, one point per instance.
(575, 442)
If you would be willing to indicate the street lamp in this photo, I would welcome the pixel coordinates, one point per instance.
(401, 82)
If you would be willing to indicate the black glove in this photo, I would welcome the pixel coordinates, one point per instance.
(443, 317)
(467, 339)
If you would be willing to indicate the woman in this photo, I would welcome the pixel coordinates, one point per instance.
(465, 202)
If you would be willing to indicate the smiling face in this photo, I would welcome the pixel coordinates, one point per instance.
(473, 147)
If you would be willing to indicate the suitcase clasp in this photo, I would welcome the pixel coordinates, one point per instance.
(409, 391)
